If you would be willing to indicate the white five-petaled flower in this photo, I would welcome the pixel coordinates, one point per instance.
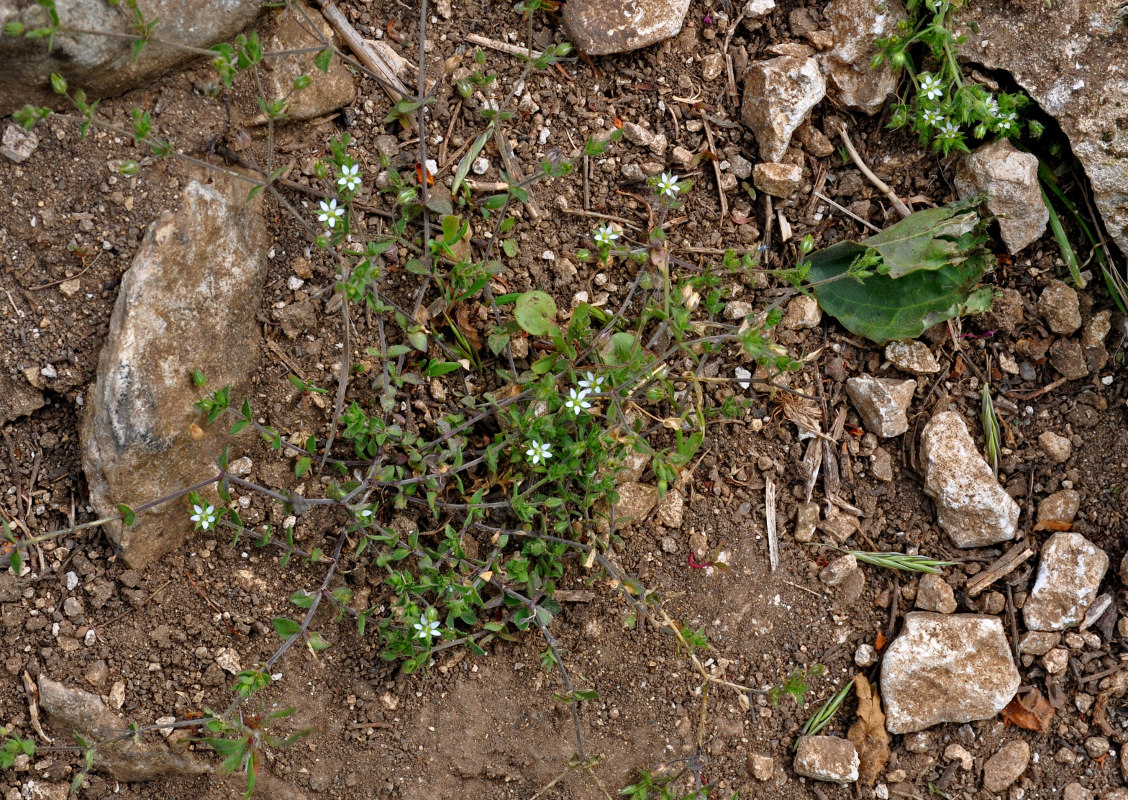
(426, 628)
(932, 117)
(539, 451)
(948, 131)
(591, 382)
(605, 235)
(350, 177)
(577, 401)
(930, 87)
(330, 213)
(668, 185)
(1007, 122)
(992, 106)
(364, 515)
(204, 517)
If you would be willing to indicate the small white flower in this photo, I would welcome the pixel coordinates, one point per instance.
(948, 131)
(668, 185)
(992, 106)
(350, 177)
(577, 401)
(593, 383)
(932, 117)
(930, 87)
(605, 235)
(426, 628)
(330, 213)
(364, 516)
(1007, 122)
(539, 451)
(204, 517)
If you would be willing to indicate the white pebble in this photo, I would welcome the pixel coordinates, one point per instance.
(481, 165)
(72, 581)
(743, 375)
(543, 137)
(295, 283)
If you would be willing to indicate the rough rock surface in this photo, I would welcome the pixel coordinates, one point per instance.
(802, 312)
(636, 501)
(1010, 179)
(934, 594)
(912, 355)
(946, 668)
(1060, 307)
(128, 760)
(327, 91)
(1057, 447)
(970, 504)
(1069, 573)
(1070, 60)
(600, 27)
(102, 65)
(882, 403)
(187, 302)
(778, 95)
(778, 180)
(1057, 511)
(827, 758)
(855, 24)
(17, 144)
(1006, 766)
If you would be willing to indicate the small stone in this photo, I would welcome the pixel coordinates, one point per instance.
(881, 464)
(827, 758)
(855, 25)
(669, 544)
(1069, 574)
(601, 27)
(1038, 643)
(1006, 766)
(1068, 358)
(72, 581)
(918, 742)
(934, 594)
(671, 509)
(682, 157)
(743, 377)
(712, 65)
(96, 673)
(882, 403)
(117, 694)
(72, 607)
(970, 504)
(993, 603)
(778, 95)
(1065, 756)
(838, 569)
(912, 356)
(737, 309)
(1009, 179)
(1055, 661)
(636, 134)
(802, 312)
(1060, 307)
(778, 180)
(740, 167)
(814, 141)
(806, 518)
(240, 467)
(1057, 511)
(70, 288)
(1075, 791)
(17, 144)
(957, 752)
(762, 767)
(754, 9)
(865, 655)
(1096, 746)
(1057, 447)
(636, 501)
(228, 660)
(946, 668)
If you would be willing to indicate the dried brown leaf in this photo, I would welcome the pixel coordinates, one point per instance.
(868, 733)
(1029, 710)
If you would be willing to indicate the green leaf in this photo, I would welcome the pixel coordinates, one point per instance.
(464, 165)
(317, 643)
(322, 59)
(127, 514)
(302, 467)
(897, 299)
(535, 312)
(509, 247)
(58, 83)
(17, 562)
(285, 627)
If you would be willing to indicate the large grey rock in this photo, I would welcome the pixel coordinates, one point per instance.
(127, 759)
(187, 302)
(1070, 571)
(970, 504)
(600, 27)
(1010, 180)
(855, 25)
(1070, 60)
(778, 95)
(882, 402)
(827, 758)
(101, 65)
(946, 668)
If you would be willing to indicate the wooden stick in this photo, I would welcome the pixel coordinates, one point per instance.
(883, 187)
(1004, 565)
(716, 168)
(384, 72)
(503, 47)
(770, 522)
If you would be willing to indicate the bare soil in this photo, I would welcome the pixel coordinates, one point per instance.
(490, 727)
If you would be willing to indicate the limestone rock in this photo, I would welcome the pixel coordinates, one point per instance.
(827, 758)
(778, 95)
(1006, 766)
(601, 27)
(636, 501)
(912, 355)
(1070, 571)
(762, 767)
(934, 594)
(101, 65)
(1057, 511)
(778, 180)
(287, 30)
(187, 302)
(802, 312)
(855, 24)
(1057, 447)
(1010, 179)
(671, 508)
(1070, 62)
(18, 144)
(882, 403)
(946, 668)
(970, 504)
(1060, 307)
(127, 760)
(839, 569)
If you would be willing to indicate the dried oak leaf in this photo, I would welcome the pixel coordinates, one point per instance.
(868, 733)
(1029, 710)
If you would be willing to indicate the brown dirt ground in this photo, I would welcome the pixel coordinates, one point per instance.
(489, 727)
